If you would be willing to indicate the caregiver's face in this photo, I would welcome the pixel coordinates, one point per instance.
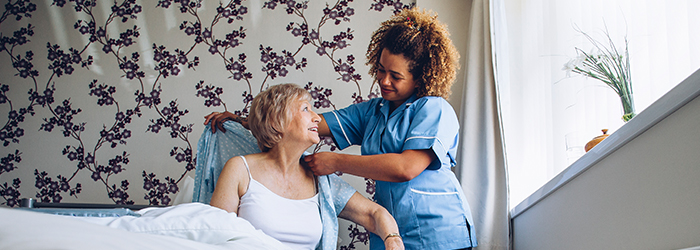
(395, 80)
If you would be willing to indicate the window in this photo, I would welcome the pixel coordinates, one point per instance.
(548, 116)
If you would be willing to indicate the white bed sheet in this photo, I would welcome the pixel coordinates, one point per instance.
(21, 229)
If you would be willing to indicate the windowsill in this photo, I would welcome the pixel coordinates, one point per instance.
(684, 92)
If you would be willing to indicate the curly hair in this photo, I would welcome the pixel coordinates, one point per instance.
(425, 42)
(270, 113)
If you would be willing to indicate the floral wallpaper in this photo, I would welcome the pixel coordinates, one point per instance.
(102, 100)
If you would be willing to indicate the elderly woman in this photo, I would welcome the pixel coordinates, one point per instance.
(278, 195)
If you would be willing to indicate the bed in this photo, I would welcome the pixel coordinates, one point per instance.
(194, 226)
(191, 225)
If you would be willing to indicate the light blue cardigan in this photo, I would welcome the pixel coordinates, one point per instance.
(214, 149)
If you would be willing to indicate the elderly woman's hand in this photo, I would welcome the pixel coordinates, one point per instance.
(217, 119)
(322, 163)
(394, 243)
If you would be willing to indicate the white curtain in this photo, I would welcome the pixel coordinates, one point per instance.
(549, 116)
(481, 159)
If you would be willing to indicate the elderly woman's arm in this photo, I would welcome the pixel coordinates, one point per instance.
(374, 218)
(232, 182)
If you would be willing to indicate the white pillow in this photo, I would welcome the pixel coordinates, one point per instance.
(186, 192)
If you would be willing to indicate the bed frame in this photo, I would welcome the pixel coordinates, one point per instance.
(32, 203)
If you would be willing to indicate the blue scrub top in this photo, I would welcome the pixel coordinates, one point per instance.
(431, 210)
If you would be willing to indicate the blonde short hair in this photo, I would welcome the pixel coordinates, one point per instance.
(270, 113)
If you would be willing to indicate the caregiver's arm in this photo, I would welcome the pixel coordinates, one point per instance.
(323, 129)
(231, 185)
(374, 218)
(216, 120)
(394, 167)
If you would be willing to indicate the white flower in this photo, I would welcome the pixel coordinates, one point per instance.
(574, 63)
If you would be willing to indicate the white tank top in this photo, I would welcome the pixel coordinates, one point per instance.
(295, 223)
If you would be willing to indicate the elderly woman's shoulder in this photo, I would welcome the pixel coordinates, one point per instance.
(249, 158)
(241, 163)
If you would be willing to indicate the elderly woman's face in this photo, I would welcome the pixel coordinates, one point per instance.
(303, 125)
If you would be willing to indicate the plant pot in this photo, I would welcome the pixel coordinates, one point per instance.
(596, 140)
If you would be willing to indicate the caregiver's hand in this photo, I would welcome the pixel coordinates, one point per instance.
(322, 163)
(217, 119)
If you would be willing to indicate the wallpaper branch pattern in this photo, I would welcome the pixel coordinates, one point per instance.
(115, 35)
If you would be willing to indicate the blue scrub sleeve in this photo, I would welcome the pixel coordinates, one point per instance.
(434, 126)
(348, 125)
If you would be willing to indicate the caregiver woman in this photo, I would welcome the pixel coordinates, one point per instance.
(409, 136)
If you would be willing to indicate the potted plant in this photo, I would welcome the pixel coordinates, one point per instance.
(609, 65)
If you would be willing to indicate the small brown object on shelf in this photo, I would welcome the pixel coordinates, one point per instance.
(596, 140)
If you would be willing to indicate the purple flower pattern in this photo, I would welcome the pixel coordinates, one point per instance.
(92, 156)
(10, 192)
(158, 192)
